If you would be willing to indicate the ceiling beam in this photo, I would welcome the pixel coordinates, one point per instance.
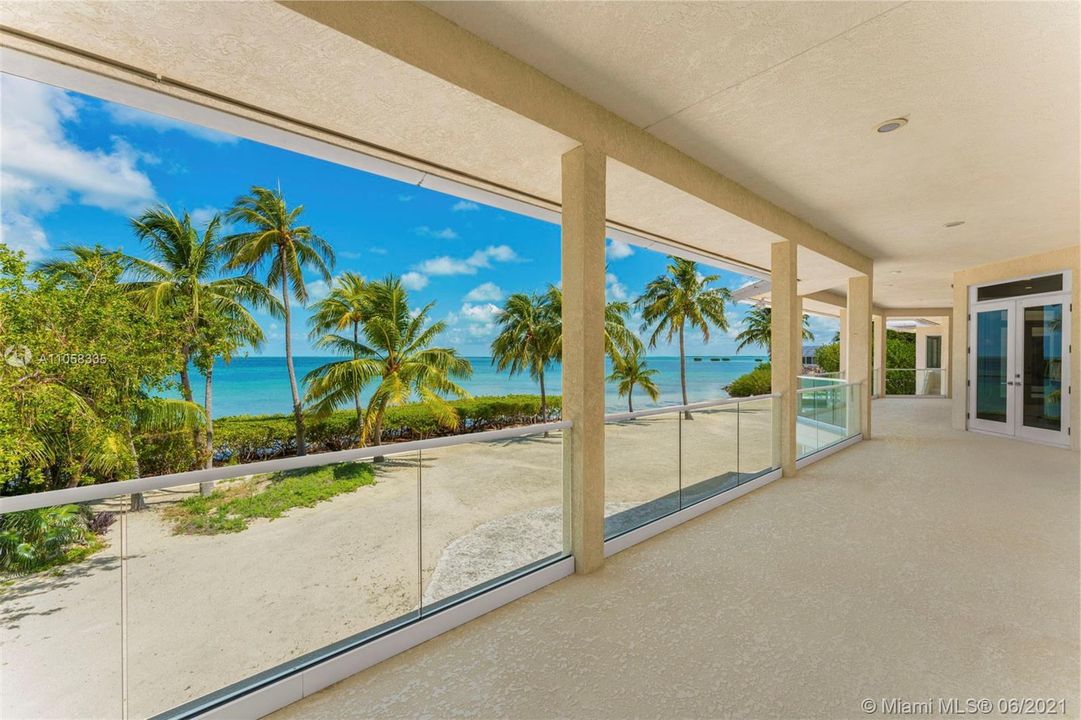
(423, 38)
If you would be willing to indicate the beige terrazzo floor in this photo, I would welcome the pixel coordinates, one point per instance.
(925, 563)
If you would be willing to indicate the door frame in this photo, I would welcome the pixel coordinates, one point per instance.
(1014, 427)
(1007, 427)
(1062, 435)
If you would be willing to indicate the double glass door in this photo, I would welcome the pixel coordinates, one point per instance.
(1019, 378)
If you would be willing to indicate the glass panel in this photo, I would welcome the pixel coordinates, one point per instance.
(488, 509)
(265, 569)
(853, 423)
(1017, 288)
(641, 471)
(708, 449)
(992, 342)
(756, 437)
(934, 351)
(61, 614)
(1042, 398)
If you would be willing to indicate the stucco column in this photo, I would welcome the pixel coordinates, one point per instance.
(947, 355)
(843, 349)
(858, 367)
(959, 355)
(583, 356)
(879, 323)
(785, 336)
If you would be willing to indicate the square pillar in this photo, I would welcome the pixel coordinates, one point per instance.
(858, 367)
(947, 351)
(843, 335)
(879, 323)
(583, 355)
(786, 340)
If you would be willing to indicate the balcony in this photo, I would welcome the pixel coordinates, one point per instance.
(927, 562)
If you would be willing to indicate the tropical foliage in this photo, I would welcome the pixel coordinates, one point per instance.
(397, 356)
(530, 333)
(629, 370)
(277, 243)
(681, 299)
(755, 382)
(757, 330)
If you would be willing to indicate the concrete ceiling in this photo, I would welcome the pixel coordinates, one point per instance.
(785, 98)
(782, 97)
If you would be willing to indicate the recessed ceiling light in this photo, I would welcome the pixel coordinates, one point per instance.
(954, 223)
(895, 272)
(891, 125)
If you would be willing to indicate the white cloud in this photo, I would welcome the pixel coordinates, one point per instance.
(44, 169)
(124, 115)
(377, 250)
(617, 250)
(485, 291)
(464, 206)
(414, 281)
(444, 234)
(480, 313)
(203, 215)
(446, 265)
(614, 289)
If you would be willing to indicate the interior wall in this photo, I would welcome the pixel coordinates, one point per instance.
(1068, 258)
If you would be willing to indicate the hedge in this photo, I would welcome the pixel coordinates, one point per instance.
(756, 382)
(247, 438)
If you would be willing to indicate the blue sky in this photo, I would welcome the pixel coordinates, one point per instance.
(75, 168)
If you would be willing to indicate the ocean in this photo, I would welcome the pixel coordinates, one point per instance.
(260, 385)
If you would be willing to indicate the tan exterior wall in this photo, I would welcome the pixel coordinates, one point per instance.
(1068, 258)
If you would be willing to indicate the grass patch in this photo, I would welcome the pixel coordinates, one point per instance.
(231, 508)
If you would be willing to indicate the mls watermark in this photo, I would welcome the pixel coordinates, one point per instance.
(20, 356)
(956, 707)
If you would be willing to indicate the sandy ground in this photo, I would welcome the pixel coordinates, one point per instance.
(204, 612)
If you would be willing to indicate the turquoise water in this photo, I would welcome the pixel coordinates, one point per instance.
(260, 385)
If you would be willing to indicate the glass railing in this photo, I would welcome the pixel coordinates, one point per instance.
(820, 380)
(826, 415)
(133, 613)
(662, 460)
(912, 381)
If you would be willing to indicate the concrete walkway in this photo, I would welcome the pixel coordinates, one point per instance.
(926, 563)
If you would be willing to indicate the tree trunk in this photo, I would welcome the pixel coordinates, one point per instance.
(298, 414)
(138, 502)
(630, 403)
(186, 392)
(356, 395)
(208, 407)
(377, 433)
(544, 400)
(683, 373)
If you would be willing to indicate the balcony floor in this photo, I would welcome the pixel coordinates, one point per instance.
(924, 563)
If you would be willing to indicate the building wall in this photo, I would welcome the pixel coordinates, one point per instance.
(922, 333)
(1068, 258)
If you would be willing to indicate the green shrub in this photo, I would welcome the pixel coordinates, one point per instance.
(249, 438)
(828, 357)
(33, 540)
(231, 507)
(756, 382)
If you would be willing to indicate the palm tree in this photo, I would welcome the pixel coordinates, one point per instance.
(342, 309)
(179, 278)
(630, 370)
(396, 354)
(757, 330)
(287, 247)
(679, 298)
(618, 338)
(529, 338)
